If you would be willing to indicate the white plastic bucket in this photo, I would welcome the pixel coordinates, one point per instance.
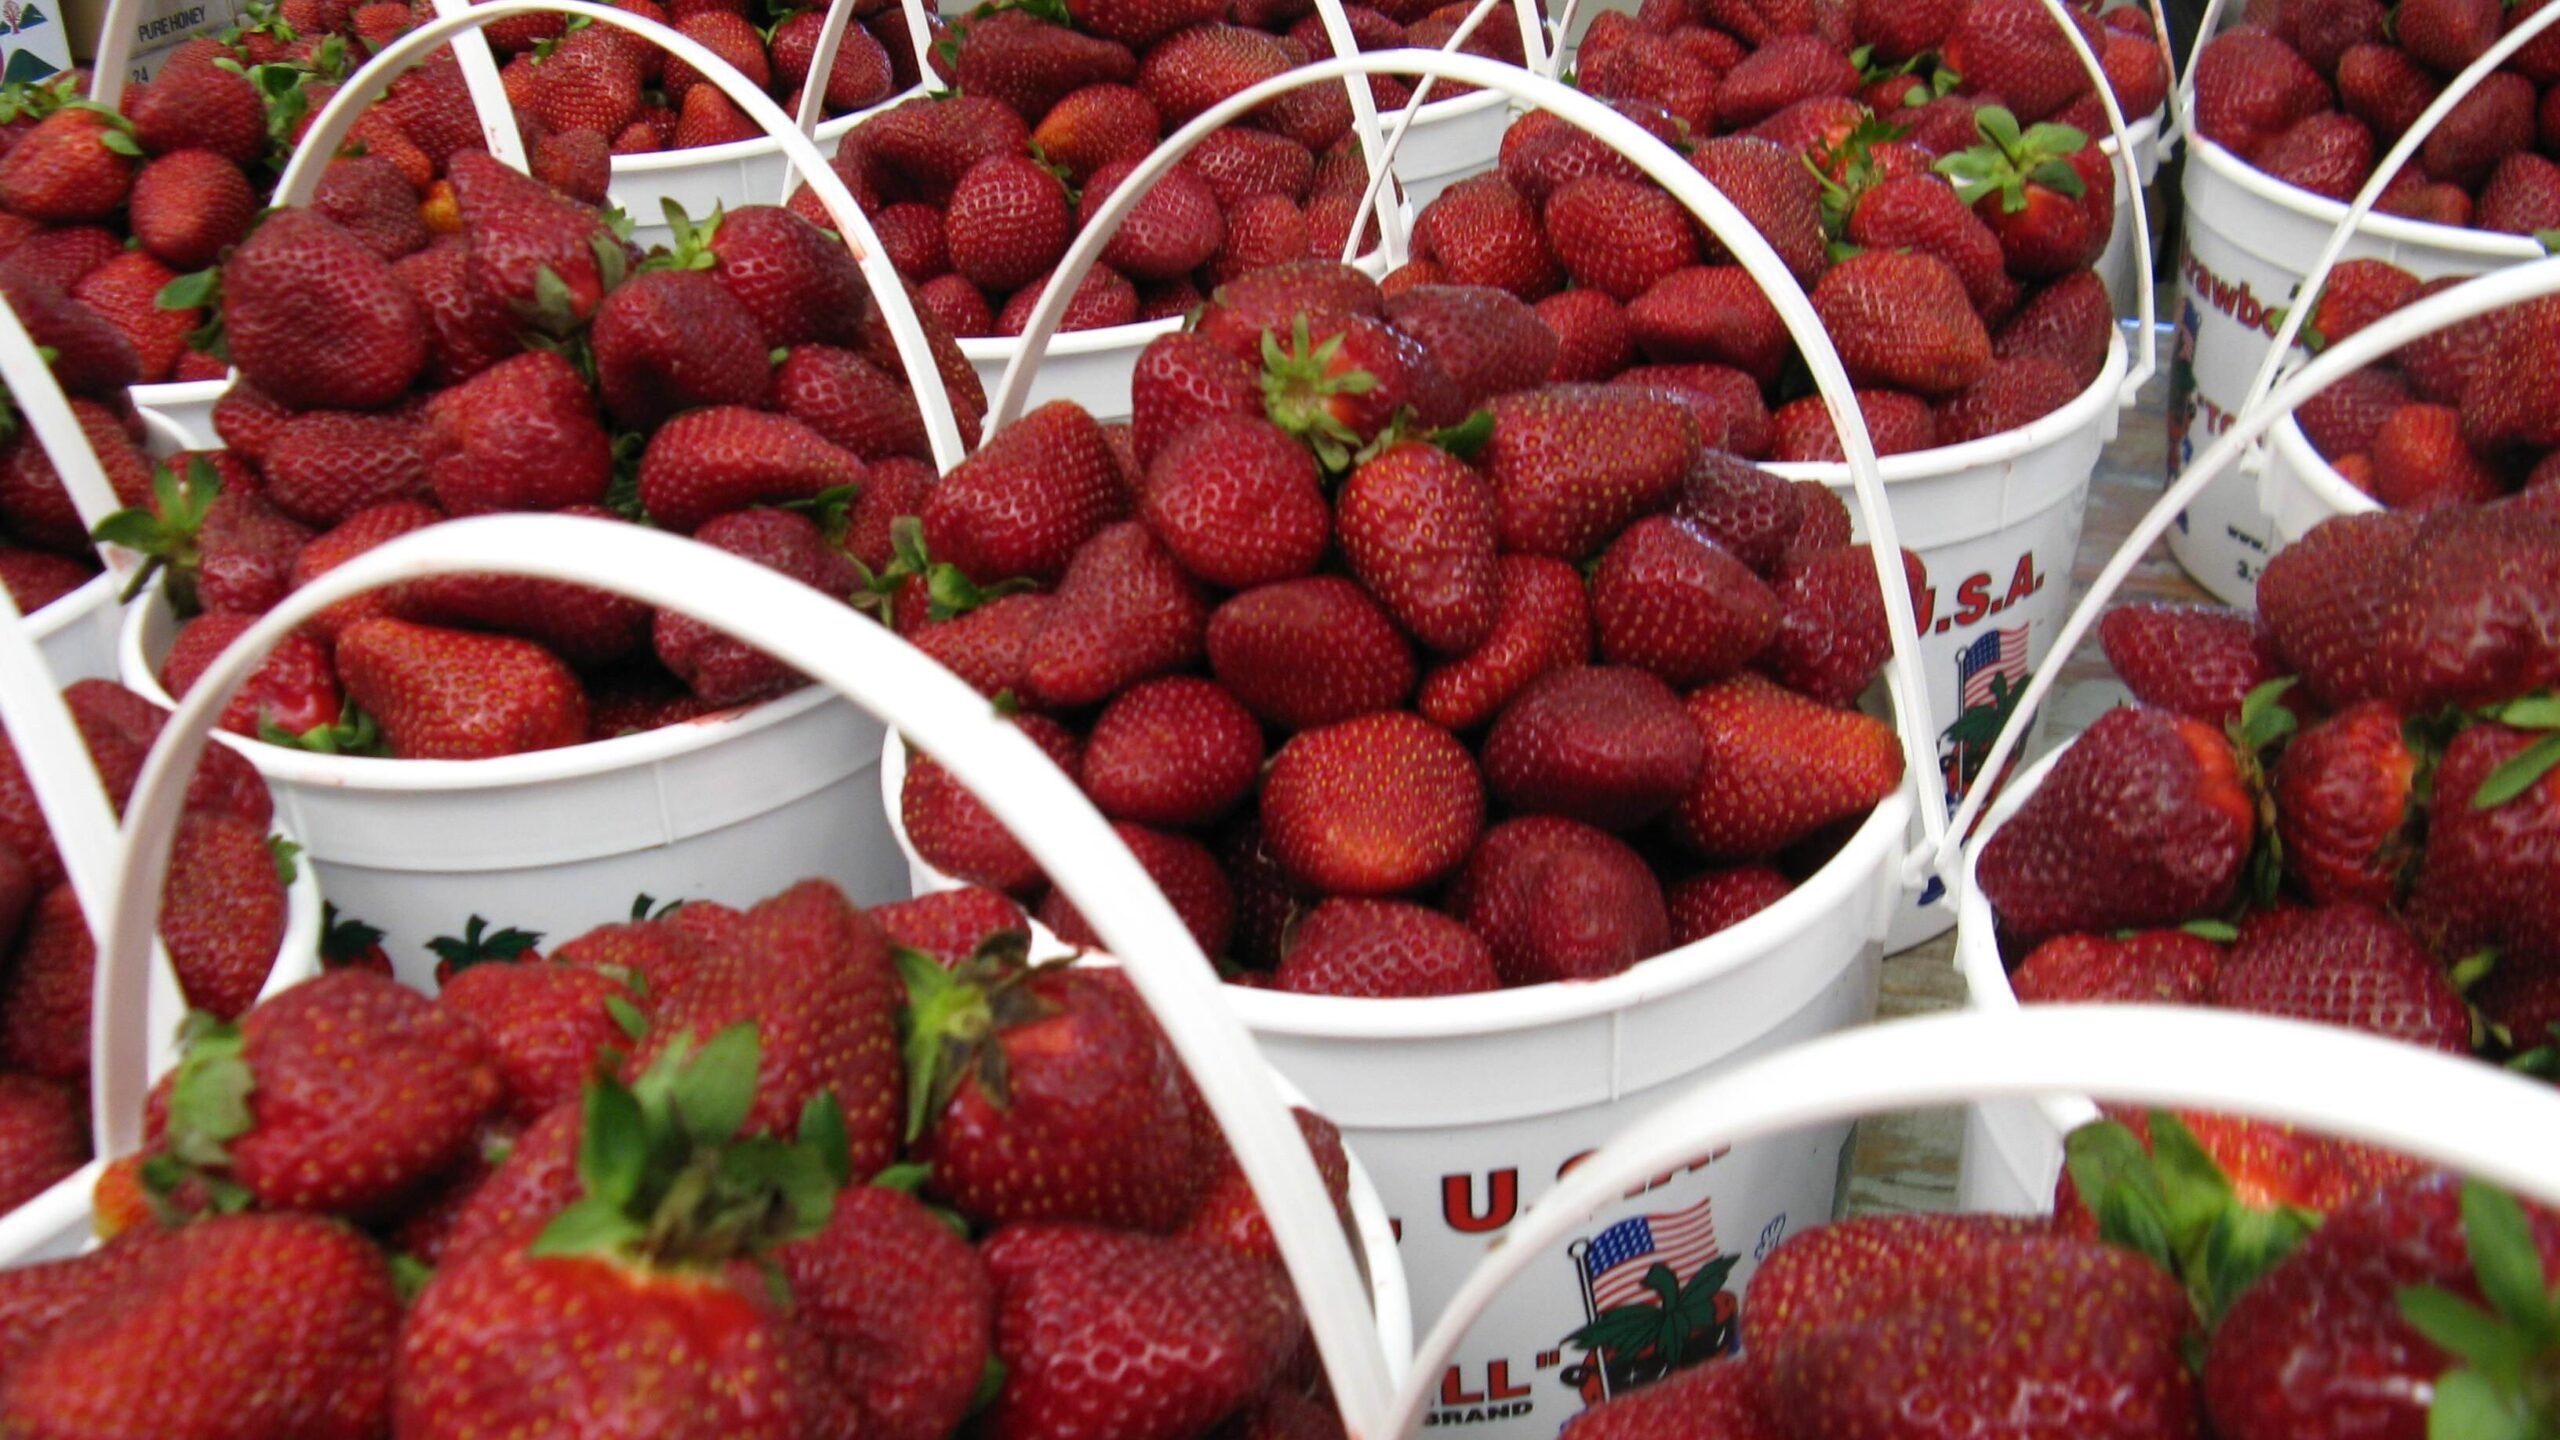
(2299, 488)
(2013, 1150)
(185, 406)
(76, 634)
(2432, 1107)
(1996, 524)
(553, 840)
(2246, 234)
(853, 658)
(1466, 1108)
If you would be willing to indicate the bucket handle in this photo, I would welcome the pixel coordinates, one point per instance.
(1375, 148)
(1532, 45)
(51, 424)
(2476, 296)
(822, 61)
(2447, 1110)
(2297, 314)
(836, 647)
(301, 178)
(1910, 690)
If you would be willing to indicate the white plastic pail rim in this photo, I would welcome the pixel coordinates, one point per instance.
(2090, 407)
(2488, 246)
(2314, 473)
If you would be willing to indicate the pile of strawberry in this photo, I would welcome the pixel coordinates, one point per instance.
(2200, 1309)
(769, 1173)
(2312, 92)
(222, 919)
(605, 90)
(1723, 66)
(740, 388)
(2461, 417)
(1956, 284)
(2344, 811)
(976, 194)
(1545, 683)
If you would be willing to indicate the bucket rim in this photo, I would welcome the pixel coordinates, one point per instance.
(2088, 408)
(2328, 213)
(659, 162)
(84, 600)
(2314, 472)
(385, 775)
(181, 392)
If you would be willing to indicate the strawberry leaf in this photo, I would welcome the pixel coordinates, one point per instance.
(2531, 712)
(822, 1128)
(2221, 932)
(1468, 437)
(479, 945)
(191, 292)
(209, 1096)
(713, 1094)
(343, 937)
(2264, 719)
(613, 1144)
(906, 1177)
(2507, 1263)
(283, 851)
(627, 1017)
(2518, 773)
(589, 1227)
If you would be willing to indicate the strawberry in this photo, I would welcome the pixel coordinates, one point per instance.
(1046, 1094)
(222, 910)
(1483, 232)
(949, 925)
(2069, 321)
(1260, 231)
(1383, 949)
(859, 78)
(519, 229)
(32, 499)
(1182, 869)
(1237, 502)
(1095, 125)
(854, 406)
(1417, 527)
(590, 81)
(1926, 215)
(799, 285)
(2145, 821)
(1776, 75)
(1183, 378)
(1618, 236)
(1173, 230)
(1903, 321)
(548, 1027)
(1310, 652)
(360, 532)
(324, 465)
(1717, 900)
(731, 37)
(2346, 964)
(1008, 222)
(1774, 191)
(2502, 401)
(672, 340)
(116, 723)
(1986, 1323)
(2492, 122)
(718, 667)
(1592, 339)
(1371, 806)
(315, 319)
(1657, 71)
(2251, 87)
(1712, 313)
(76, 164)
(1231, 1217)
(1133, 1336)
(91, 358)
(1573, 464)
(2446, 35)
(468, 329)
(911, 235)
(1125, 612)
(200, 103)
(1722, 1394)
(373, 202)
(1543, 621)
(2323, 1343)
(1608, 746)
(1237, 163)
(1027, 499)
(2486, 876)
(956, 833)
(2322, 602)
(705, 463)
(2420, 461)
(1031, 64)
(442, 694)
(1779, 767)
(1896, 424)
(35, 579)
(1180, 751)
(2328, 153)
(1103, 298)
(59, 257)
(1193, 69)
(2012, 49)
(1555, 899)
(2522, 196)
(1831, 638)
(1666, 598)
(44, 1027)
(989, 647)
(1748, 511)
(2471, 622)
(2382, 86)
(264, 1324)
(2344, 803)
(190, 205)
(2200, 661)
(1139, 23)
(1541, 153)
(43, 1137)
(899, 1305)
(125, 292)
(1270, 301)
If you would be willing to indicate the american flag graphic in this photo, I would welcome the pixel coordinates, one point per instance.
(1998, 652)
(1618, 1259)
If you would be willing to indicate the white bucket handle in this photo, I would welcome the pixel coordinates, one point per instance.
(1533, 46)
(1910, 689)
(2478, 295)
(301, 178)
(2280, 352)
(2446, 1110)
(822, 61)
(836, 647)
(1375, 148)
(51, 425)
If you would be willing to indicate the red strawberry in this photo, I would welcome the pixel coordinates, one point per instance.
(2346, 964)
(856, 407)
(1371, 806)
(1237, 163)
(547, 1026)
(1717, 900)
(222, 910)
(1097, 124)
(2013, 49)
(1058, 1101)
(1776, 75)
(1658, 71)
(1668, 599)
(1573, 464)
(1193, 69)
(2522, 196)
(990, 646)
(1779, 767)
(1310, 652)
(325, 465)
(1559, 900)
(264, 1324)
(1323, 291)
(2446, 35)
(2492, 122)
(2068, 321)
(1133, 1336)
(799, 285)
(1183, 378)
(75, 164)
(673, 340)
(35, 579)
(1024, 503)
(1261, 231)
(2161, 967)
(1417, 528)
(44, 1029)
(1383, 949)
(860, 76)
(360, 533)
(1237, 502)
(929, 144)
(1542, 153)
(44, 1137)
(718, 667)
(2321, 601)
(295, 688)
(705, 463)
(1173, 230)
(1607, 746)
(1619, 236)
(1723, 1394)
(1182, 869)
(1482, 232)
(1592, 338)
(188, 206)
(1923, 213)
(91, 359)
(954, 831)
(468, 329)
(1902, 320)
(2382, 86)
(2015, 392)
(1140, 22)
(1177, 752)
(1543, 621)
(1774, 191)
(2144, 821)
(1230, 1216)
(731, 37)
(2198, 660)
(1831, 638)
(125, 292)
(2420, 461)
(949, 925)
(1125, 612)
(1896, 424)
(197, 102)
(2251, 87)
(316, 320)
(2487, 874)
(520, 228)
(2470, 620)
(1008, 222)
(1712, 313)
(522, 434)
(115, 720)
(374, 202)
(1751, 513)
(2344, 802)
(899, 1305)
(2327, 154)
(442, 694)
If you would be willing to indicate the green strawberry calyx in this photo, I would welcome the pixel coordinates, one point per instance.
(479, 945)
(1845, 170)
(670, 1179)
(352, 733)
(949, 592)
(689, 247)
(2010, 160)
(2257, 734)
(2526, 768)
(166, 532)
(2173, 1204)
(345, 939)
(2504, 1383)
(953, 1014)
(208, 1109)
(1299, 385)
